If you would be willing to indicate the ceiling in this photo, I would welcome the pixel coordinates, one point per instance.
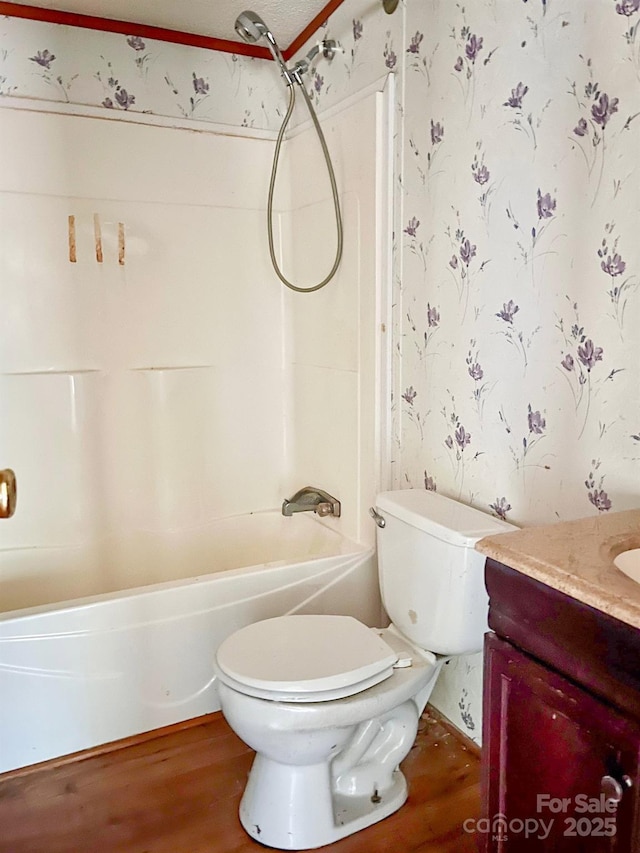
(287, 19)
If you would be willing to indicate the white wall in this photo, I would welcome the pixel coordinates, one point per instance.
(147, 395)
(186, 383)
(336, 345)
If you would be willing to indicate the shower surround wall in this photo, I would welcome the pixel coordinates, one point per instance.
(125, 387)
(516, 260)
(179, 380)
(335, 341)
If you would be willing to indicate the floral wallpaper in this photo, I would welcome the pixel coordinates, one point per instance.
(517, 263)
(520, 273)
(516, 294)
(130, 74)
(517, 271)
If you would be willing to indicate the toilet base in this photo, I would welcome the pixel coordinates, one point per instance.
(292, 807)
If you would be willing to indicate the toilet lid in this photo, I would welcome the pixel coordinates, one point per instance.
(305, 658)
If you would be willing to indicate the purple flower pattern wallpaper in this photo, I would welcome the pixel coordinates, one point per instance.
(516, 260)
(516, 290)
(131, 74)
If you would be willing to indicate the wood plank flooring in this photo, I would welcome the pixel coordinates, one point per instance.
(179, 793)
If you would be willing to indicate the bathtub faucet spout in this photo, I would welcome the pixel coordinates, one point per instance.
(311, 499)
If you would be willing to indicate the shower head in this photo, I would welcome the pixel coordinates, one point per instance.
(251, 28)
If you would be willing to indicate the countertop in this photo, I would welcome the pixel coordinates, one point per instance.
(576, 557)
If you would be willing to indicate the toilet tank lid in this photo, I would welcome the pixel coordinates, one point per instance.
(441, 517)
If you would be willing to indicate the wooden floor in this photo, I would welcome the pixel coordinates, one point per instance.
(179, 793)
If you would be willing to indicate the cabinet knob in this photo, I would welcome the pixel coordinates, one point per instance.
(613, 789)
(8, 493)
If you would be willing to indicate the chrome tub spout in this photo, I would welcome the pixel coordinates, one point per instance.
(311, 499)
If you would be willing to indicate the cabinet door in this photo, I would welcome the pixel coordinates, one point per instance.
(550, 751)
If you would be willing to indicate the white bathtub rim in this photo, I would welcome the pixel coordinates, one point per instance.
(324, 564)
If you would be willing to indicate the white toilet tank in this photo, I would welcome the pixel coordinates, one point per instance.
(431, 578)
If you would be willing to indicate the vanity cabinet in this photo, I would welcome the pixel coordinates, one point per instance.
(561, 731)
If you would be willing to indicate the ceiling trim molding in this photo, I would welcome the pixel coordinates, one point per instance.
(128, 28)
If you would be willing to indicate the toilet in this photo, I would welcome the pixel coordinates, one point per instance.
(331, 706)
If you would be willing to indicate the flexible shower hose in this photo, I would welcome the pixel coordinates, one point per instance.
(334, 191)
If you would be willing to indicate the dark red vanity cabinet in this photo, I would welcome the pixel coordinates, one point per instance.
(561, 732)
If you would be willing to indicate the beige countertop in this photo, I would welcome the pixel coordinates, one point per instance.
(576, 557)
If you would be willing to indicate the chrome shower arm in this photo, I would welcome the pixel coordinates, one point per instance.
(328, 48)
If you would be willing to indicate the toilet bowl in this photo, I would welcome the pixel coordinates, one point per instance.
(328, 749)
(331, 706)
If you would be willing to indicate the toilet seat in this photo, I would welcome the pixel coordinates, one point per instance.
(310, 658)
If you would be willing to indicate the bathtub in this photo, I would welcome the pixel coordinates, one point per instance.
(120, 639)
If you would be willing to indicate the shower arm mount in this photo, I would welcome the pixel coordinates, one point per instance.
(328, 48)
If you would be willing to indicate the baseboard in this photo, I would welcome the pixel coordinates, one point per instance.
(106, 748)
(463, 739)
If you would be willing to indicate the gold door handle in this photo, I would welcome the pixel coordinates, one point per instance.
(8, 493)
